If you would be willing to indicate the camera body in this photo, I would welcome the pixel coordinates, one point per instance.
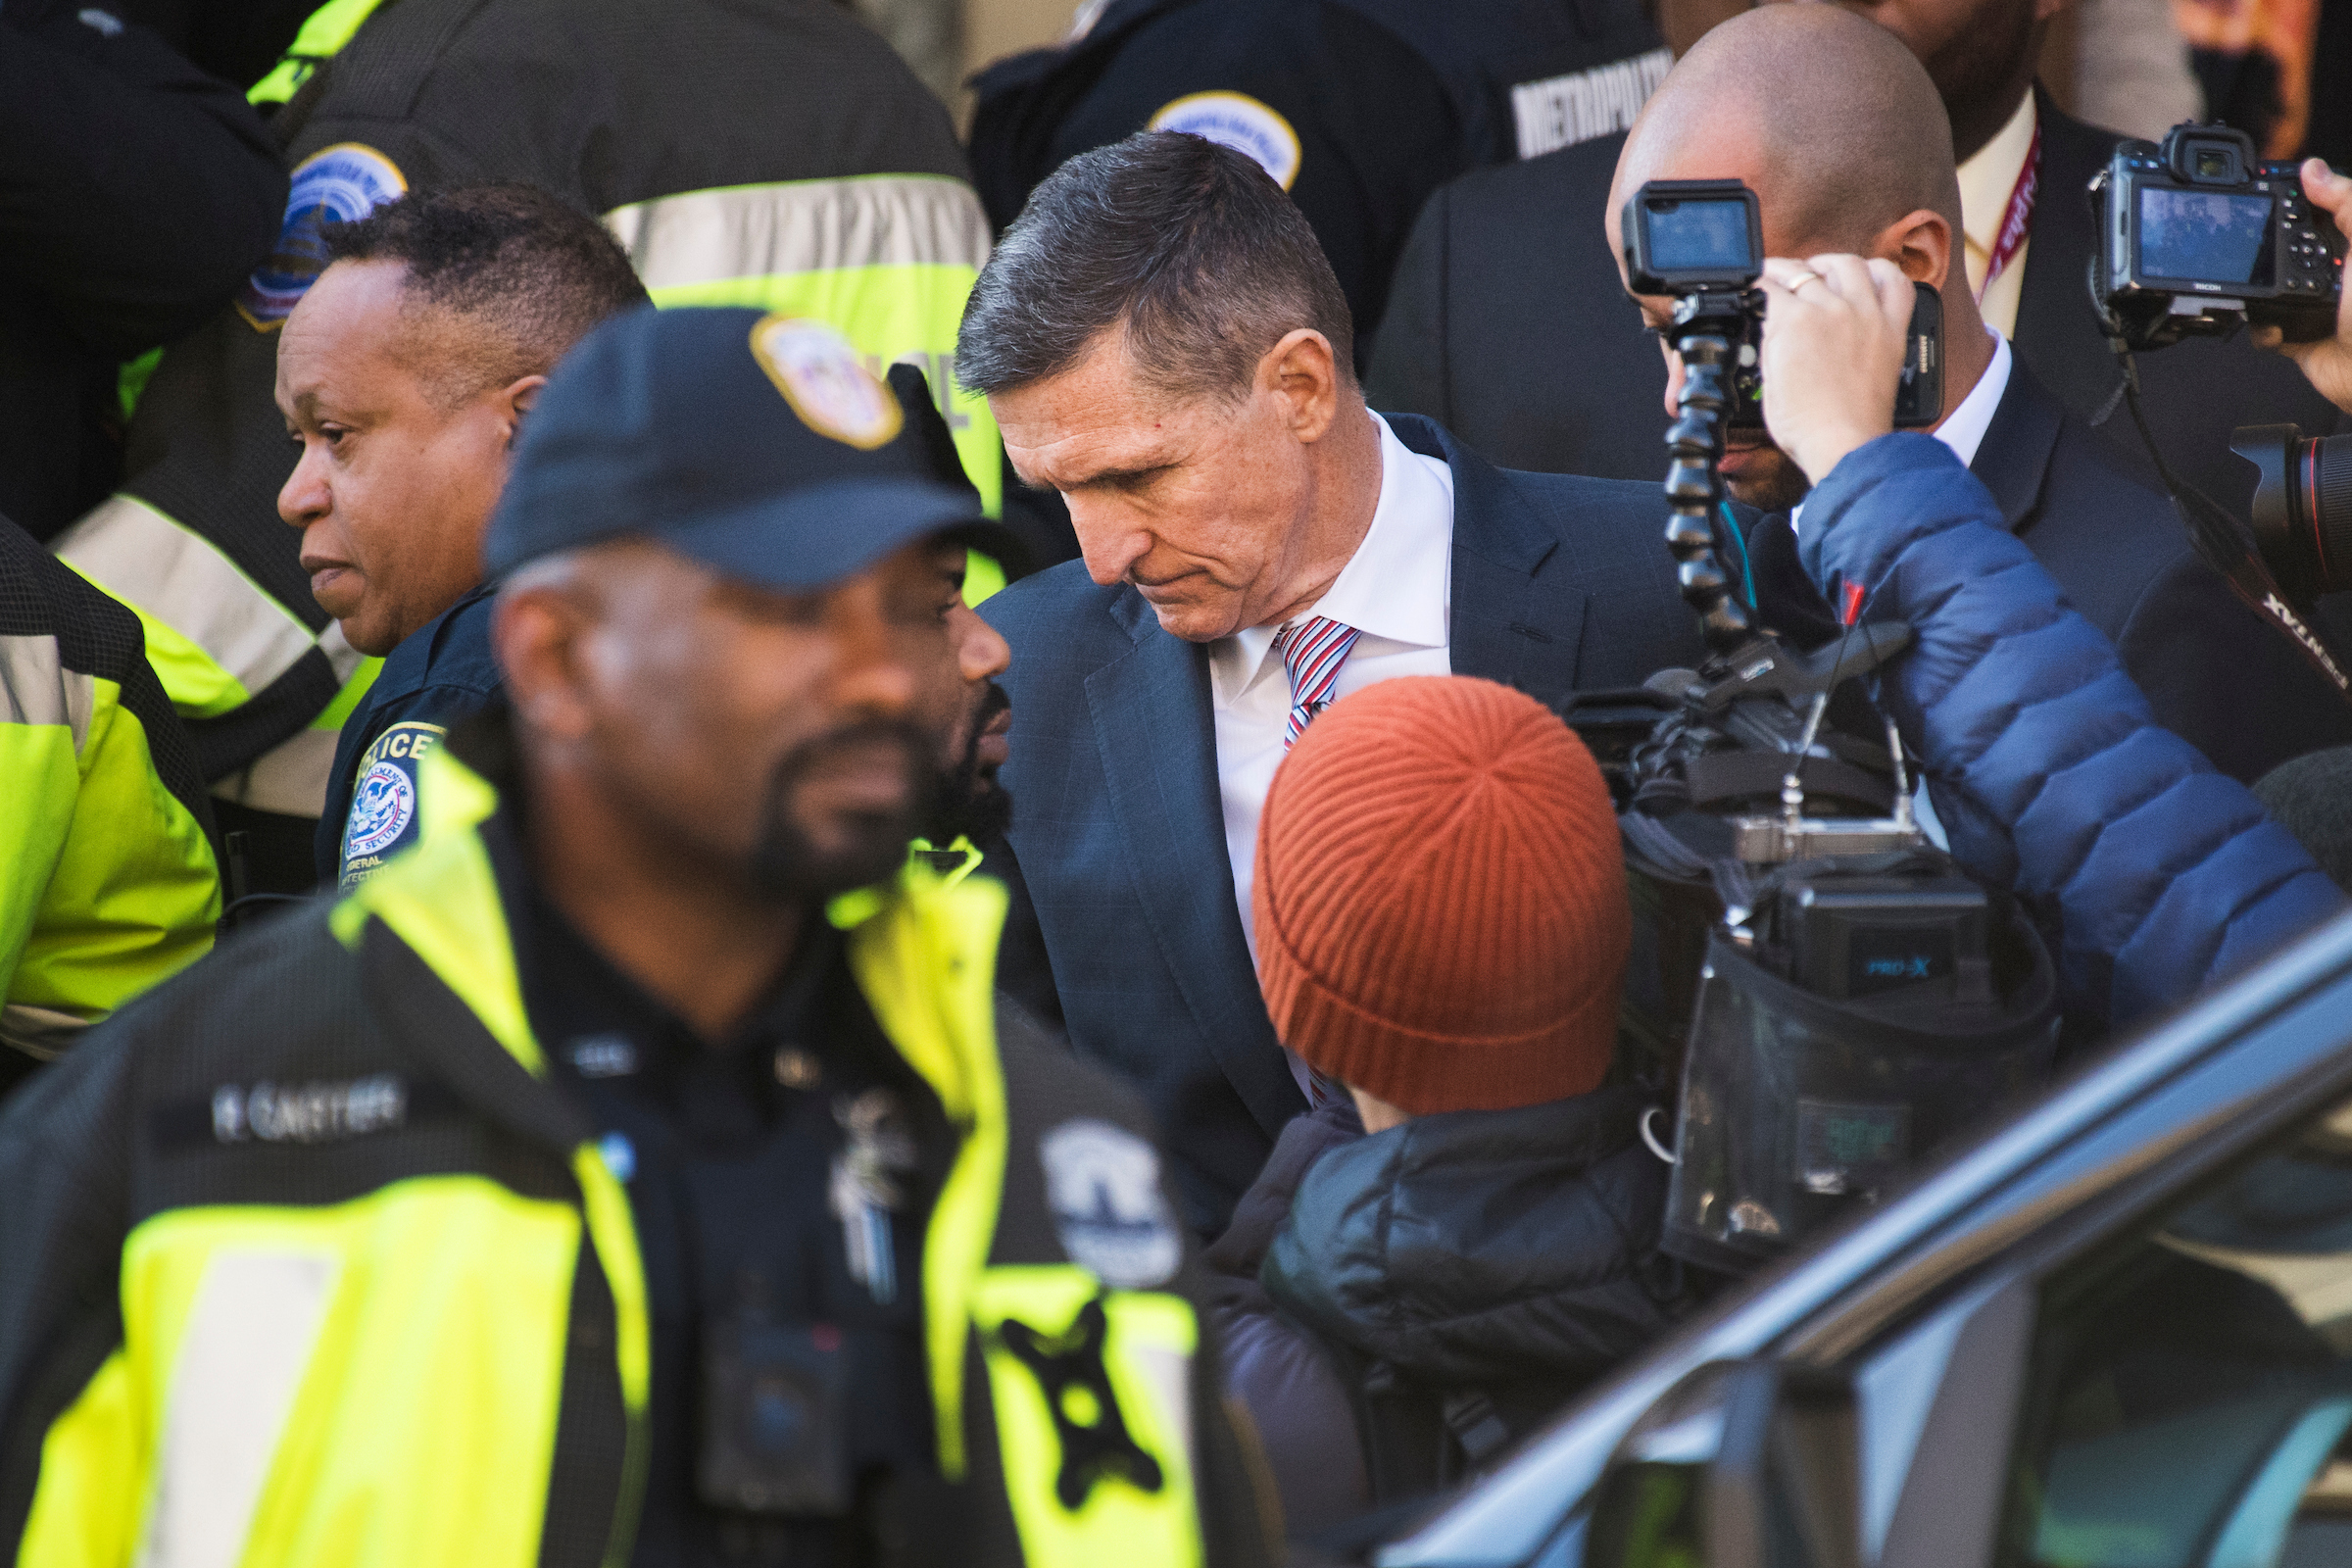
(2198, 238)
(1703, 242)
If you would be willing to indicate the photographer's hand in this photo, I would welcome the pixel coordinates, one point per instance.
(1836, 329)
(2327, 363)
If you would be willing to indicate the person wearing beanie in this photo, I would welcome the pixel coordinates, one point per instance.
(1464, 1234)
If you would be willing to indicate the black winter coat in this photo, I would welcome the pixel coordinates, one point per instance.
(1438, 1288)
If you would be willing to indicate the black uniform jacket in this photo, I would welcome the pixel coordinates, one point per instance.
(139, 193)
(2218, 675)
(1386, 99)
(1509, 324)
(1118, 839)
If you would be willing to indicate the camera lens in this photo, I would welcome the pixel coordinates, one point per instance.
(2302, 507)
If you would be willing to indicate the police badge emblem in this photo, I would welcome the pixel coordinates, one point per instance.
(826, 383)
(1102, 1184)
(1239, 121)
(381, 809)
(333, 185)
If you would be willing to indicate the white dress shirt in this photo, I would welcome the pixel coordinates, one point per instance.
(1395, 590)
(1986, 181)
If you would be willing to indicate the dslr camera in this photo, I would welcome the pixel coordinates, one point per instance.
(2197, 238)
(1702, 241)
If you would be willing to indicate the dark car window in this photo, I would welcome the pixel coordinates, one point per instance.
(2191, 1387)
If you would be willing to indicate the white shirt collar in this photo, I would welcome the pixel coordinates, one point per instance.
(1394, 590)
(1963, 429)
(1988, 178)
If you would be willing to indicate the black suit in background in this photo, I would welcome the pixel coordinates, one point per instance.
(1507, 323)
(2215, 673)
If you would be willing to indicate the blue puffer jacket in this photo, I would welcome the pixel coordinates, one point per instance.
(2047, 766)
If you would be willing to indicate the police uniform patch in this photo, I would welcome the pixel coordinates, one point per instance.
(382, 819)
(1102, 1184)
(825, 381)
(1239, 121)
(333, 185)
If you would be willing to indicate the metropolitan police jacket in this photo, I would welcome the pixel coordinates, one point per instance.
(106, 878)
(747, 152)
(1359, 108)
(306, 1261)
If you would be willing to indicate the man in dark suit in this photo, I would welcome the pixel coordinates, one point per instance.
(1504, 325)
(1878, 180)
(1166, 345)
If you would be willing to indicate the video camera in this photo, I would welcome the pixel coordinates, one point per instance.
(1702, 241)
(1821, 991)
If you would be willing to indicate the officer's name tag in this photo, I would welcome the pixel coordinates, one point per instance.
(1561, 111)
(382, 820)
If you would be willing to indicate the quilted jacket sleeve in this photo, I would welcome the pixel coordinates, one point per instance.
(2048, 770)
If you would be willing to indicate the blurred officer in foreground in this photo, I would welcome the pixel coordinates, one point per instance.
(1358, 108)
(635, 1171)
(1502, 322)
(106, 878)
(1163, 343)
(772, 153)
(406, 374)
(139, 193)
(1836, 127)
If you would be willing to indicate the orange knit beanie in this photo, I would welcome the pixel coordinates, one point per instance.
(1440, 899)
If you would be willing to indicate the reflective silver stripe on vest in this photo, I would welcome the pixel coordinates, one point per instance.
(247, 1342)
(708, 236)
(36, 688)
(145, 559)
(292, 776)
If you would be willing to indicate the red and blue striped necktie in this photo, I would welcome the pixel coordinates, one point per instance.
(1312, 650)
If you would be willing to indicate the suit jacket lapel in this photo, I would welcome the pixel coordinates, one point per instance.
(1158, 738)
(2057, 328)
(2014, 458)
(1502, 628)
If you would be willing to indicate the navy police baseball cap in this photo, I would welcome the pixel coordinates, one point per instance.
(758, 445)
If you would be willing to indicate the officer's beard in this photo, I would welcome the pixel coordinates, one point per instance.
(789, 866)
(971, 803)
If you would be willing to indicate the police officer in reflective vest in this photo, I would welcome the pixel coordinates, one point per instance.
(772, 153)
(1358, 108)
(637, 1170)
(107, 879)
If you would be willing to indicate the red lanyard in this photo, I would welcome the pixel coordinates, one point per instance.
(2018, 219)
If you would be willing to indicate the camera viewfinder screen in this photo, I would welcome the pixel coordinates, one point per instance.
(2212, 235)
(1699, 235)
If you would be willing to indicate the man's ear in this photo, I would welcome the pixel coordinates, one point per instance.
(514, 401)
(536, 629)
(1922, 243)
(1304, 374)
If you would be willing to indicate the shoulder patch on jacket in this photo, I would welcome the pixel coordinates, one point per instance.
(1239, 121)
(382, 818)
(333, 185)
(1102, 1184)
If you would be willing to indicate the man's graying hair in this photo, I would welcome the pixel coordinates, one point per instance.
(1189, 245)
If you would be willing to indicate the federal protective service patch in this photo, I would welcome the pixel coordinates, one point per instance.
(1239, 121)
(825, 381)
(382, 819)
(333, 185)
(1102, 1184)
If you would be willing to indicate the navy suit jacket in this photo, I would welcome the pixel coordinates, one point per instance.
(2215, 672)
(1124, 921)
